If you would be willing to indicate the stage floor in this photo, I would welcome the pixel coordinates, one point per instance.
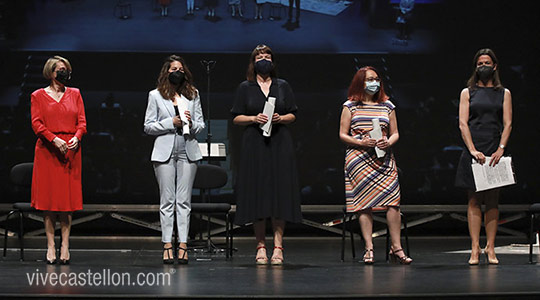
(312, 269)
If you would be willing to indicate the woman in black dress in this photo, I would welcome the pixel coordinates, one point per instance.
(267, 182)
(485, 122)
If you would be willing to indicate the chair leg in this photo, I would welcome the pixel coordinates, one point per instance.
(231, 238)
(352, 236)
(21, 234)
(387, 243)
(227, 235)
(6, 232)
(404, 220)
(531, 239)
(344, 223)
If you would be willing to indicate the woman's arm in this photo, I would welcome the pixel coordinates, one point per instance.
(393, 133)
(197, 122)
(151, 124)
(464, 126)
(507, 128)
(344, 129)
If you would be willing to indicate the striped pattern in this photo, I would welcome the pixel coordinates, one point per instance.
(369, 181)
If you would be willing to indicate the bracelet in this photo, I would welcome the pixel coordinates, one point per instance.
(501, 146)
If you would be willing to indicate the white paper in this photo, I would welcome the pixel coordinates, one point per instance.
(268, 110)
(182, 107)
(486, 177)
(376, 133)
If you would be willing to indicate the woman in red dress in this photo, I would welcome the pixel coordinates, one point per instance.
(59, 122)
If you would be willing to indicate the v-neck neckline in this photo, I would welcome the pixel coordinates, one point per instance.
(269, 88)
(60, 100)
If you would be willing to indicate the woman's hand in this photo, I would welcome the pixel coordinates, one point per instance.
(383, 143)
(60, 144)
(177, 122)
(73, 143)
(260, 119)
(479, 156)
(276, 118)
(496, 156)
(366, 141)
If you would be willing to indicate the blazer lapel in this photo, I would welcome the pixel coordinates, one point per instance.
(169, 105)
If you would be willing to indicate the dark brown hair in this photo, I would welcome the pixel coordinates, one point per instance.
(166, 89)
(356, 89)
(473, 80)
(260, 49)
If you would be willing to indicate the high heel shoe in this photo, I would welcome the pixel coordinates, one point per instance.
(260, 260)
(182, 260)
(368, 258)
(169, 260)
(491, 261)
(64, 261)
(475, 261)
(404, 260)
(51, 261)
(277, 261)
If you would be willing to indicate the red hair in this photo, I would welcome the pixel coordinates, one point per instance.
(356, 89)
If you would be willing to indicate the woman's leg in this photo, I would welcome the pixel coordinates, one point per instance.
(474, 218)
(165, 175)
(65, 229)
(259, 227)
(49, 219)
(278, 227)
(185, 175)
(491, 220)
(365, 218)
(393, 218)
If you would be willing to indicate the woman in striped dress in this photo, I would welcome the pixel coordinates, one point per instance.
(371, 181)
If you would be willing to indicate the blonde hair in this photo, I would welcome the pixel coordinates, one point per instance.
(50, 65)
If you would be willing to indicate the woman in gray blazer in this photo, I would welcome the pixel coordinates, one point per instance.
(174, 116)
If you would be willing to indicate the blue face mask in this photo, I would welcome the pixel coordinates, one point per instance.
(264, 67)
(372, 87)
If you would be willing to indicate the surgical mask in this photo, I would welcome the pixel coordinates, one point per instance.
(372, 87)
(264, 67)
(63, 76)
(485, 73)
(176, 78)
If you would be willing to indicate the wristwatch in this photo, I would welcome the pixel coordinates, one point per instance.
(501, 146)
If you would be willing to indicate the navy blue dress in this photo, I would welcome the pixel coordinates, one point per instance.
(486, 126)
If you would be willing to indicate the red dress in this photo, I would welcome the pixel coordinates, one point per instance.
(56, 180)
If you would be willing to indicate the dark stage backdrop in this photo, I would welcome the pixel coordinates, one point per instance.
(116, 63)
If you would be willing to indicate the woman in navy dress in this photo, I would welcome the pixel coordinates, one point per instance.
(485, 122)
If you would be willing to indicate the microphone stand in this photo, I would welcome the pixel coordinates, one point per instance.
(208, 65)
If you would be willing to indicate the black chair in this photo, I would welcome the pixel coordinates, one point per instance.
(347, 217)
(213, 177)
(21, 177)
(533, 210)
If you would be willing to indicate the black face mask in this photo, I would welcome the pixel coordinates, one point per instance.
(63, 76)
(485, 73)
(176, 78)
(264, 67)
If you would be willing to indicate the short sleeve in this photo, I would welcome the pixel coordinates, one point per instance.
(349, 104)
(290, 102)
(240, 100)
(389, 105)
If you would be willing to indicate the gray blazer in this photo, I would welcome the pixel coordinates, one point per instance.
(158, 122)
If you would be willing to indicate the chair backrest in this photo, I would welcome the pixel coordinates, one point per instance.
(210, 177)
(21, 174)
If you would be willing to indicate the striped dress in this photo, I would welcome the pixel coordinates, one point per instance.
(369, 181)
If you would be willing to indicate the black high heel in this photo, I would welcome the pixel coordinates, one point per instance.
(182, 260)
(404, 260)
(169, 260)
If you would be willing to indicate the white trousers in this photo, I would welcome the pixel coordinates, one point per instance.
(175, 179)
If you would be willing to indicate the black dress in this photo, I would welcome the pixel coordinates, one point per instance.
(267, 179)
(485, 125)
